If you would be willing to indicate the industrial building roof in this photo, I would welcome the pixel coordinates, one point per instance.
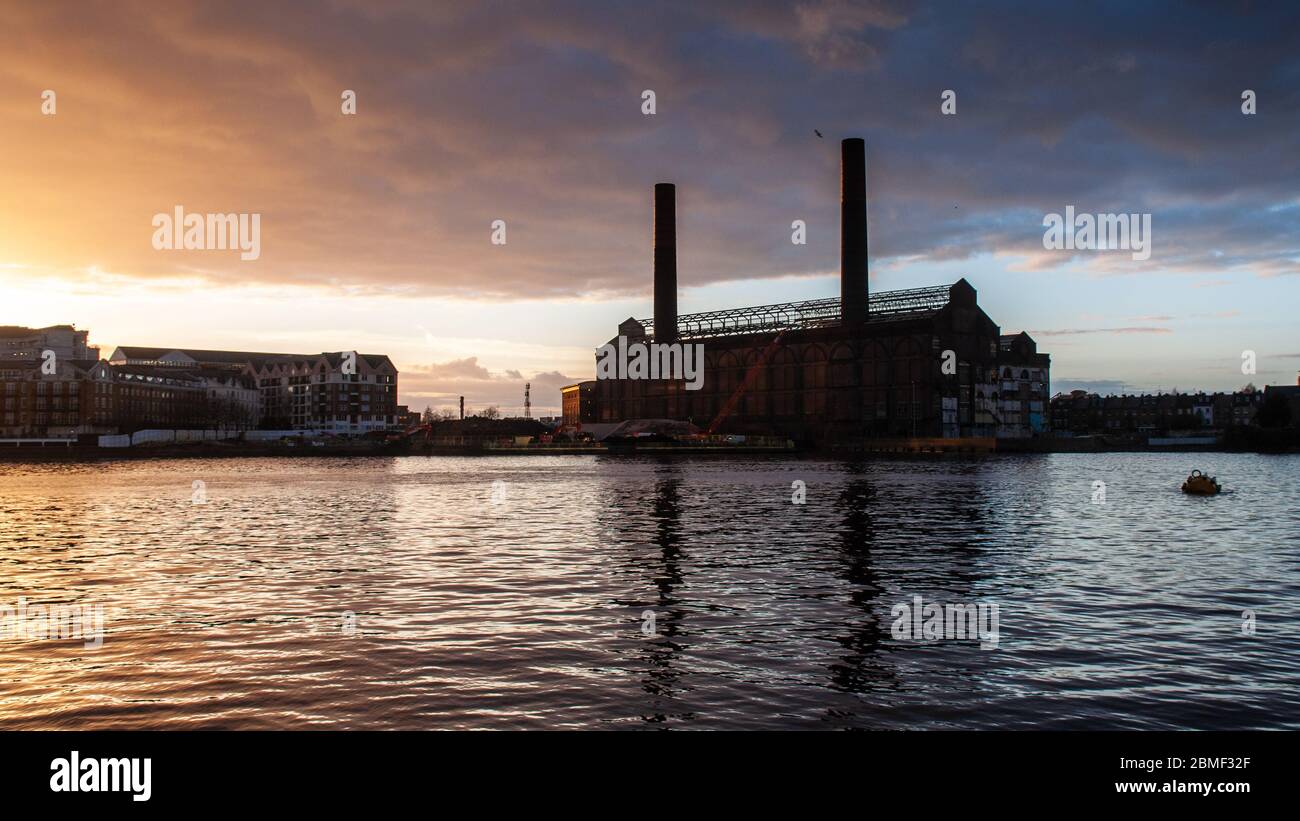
(813, 313)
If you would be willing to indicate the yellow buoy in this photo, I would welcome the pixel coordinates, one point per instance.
(1198, 484)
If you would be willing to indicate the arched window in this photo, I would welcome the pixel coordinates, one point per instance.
(842, 366)
(785, 370)
(814, 368)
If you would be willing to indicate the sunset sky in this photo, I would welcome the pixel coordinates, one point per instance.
(375, 228)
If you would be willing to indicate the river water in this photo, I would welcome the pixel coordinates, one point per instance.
(604, 592)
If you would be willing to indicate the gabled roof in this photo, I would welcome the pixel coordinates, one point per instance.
(374, 360)
(332, 358)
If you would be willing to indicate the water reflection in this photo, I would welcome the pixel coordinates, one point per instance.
(860, 668)
(662, 678)
(527, 611)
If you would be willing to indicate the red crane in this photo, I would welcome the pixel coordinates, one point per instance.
(730, 404)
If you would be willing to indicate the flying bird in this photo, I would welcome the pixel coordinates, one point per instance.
(818, 133)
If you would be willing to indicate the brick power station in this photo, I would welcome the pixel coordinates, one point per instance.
(832, 370)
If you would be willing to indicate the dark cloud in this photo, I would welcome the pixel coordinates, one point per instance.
(531, 114)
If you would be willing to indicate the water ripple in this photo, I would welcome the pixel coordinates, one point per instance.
(518, 592)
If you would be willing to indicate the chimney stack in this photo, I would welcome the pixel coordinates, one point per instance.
(665, 256)
(853, 231)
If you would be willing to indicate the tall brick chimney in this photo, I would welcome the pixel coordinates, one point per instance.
(665, 256)
(853, 231)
